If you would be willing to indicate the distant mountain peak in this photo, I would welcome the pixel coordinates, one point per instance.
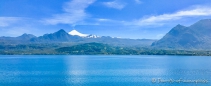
(61, 31)
(196, 36)
(179, 25)
(92, 36)
(205, 20)
(202, 23)
(76, 33)
(26, 36)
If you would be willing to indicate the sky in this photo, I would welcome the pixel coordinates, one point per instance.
(135, 19)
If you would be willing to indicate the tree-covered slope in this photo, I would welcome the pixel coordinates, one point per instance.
(196, 36)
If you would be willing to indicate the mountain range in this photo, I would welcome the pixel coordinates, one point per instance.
(196, 36)
(193, 37)
(76, 37)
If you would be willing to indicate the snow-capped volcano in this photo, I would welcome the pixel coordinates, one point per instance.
(76, 33)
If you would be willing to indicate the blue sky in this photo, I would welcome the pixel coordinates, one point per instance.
(134, 19)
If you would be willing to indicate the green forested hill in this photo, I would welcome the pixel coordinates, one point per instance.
(194, 37)
(89, 49)
(94, 48)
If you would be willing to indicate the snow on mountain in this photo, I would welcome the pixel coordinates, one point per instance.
(93, 36)
(76, 33)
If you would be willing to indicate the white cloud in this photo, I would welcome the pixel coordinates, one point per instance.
(74, 11)
(115, 4)
(159, 36)
(138, 1)
(160, 19)
(106, 20)
(103, 20)
(7, 21)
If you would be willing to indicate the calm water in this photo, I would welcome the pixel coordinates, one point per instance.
(105, 70)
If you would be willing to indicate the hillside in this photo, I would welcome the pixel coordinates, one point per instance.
(196, 36)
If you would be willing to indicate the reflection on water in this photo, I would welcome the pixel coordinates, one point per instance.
(104, 70)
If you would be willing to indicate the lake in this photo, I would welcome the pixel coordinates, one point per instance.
(100, 70)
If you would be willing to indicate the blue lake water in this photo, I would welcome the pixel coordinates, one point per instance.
(99, 70)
